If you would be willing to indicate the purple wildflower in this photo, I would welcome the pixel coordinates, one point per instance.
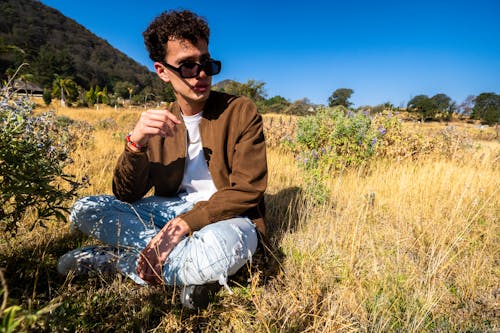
(314, 154)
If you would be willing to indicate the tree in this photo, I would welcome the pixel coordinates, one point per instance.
(47, 96)
(121, 89)
(168, 93)
(300, 107)
(465, 108)
(50, 62)
(275, 104)
(101, 95)
(66, 88)
(146, 95)
(90, 97)
(444, 105)
(487, 108)
(130, 92)
(252, 89)
(340, 97)
(422, 105)
(11, 56)
(430, 108)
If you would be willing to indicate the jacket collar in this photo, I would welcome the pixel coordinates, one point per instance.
(207, 109)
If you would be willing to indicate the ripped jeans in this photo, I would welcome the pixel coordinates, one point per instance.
(210, 254)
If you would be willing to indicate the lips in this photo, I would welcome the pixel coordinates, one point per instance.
(201, 88)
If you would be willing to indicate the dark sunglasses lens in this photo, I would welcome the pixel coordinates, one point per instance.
(212, 67)
(189, 70)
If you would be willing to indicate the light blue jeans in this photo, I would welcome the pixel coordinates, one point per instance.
(210, 254)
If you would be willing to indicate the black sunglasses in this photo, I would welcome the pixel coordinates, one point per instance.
(189, 70)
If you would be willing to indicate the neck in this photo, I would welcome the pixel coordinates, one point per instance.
(189, 108)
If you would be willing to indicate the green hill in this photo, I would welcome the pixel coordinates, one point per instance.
(53, 44)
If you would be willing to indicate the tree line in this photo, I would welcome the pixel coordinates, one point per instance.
(484, 107)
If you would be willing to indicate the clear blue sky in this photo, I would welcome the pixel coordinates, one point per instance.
(383, 50)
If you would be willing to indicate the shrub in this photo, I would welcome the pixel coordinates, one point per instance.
(399, 143)
(335, 139)
(47, 96)
(33, 155)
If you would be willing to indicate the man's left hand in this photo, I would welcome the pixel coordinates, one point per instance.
(155, 254)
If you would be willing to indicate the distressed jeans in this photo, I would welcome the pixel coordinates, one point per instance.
(210, 254)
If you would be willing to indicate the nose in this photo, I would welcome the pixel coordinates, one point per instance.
(202, 74)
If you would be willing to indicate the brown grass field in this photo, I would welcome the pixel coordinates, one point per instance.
(409, 246)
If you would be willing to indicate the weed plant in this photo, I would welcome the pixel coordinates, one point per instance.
(34, 153)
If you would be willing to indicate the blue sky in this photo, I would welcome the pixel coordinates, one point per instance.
(383, 50)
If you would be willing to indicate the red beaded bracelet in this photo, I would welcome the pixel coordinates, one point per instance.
(132, 143)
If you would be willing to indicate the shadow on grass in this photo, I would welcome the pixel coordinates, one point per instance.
(86, 304)
(283, 211)
(30, 266)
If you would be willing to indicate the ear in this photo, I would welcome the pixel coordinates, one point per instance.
(162, 72)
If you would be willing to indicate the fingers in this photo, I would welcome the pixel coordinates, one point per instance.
(160, 122)
(150, 263)
(154, 122)
(149, 268)
(177, 227)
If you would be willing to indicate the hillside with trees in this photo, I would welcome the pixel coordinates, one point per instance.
(78, 68)
(58, 48)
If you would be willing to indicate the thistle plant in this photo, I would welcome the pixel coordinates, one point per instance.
(33, 155)
(332, 140)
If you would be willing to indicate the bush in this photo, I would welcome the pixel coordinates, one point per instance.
(399, 143)
(33, 155)
(47, 96)
(335, 139)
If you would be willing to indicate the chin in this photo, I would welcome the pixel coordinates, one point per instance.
(202, 96)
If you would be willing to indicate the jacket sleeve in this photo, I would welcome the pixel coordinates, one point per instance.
(131, 176)
(247, 176)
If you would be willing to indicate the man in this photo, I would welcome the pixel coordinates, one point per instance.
(205, 159)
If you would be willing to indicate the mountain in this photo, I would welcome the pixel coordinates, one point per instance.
(222, 85)
(54, 44)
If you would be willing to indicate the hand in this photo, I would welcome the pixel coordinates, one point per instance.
(153, 256)
(154, 122)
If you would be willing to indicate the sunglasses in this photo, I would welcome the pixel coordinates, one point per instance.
(189, 70)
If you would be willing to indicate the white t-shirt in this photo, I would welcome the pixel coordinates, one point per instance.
(197, 183)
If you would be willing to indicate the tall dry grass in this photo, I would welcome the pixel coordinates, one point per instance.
(410, 246)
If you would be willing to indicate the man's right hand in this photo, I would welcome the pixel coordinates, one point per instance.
(154, 122)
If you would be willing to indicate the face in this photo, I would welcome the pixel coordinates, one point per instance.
(190, 92)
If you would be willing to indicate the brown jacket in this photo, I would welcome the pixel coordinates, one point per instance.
(234, 148)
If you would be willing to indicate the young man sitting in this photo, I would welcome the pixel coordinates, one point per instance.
(205, 157)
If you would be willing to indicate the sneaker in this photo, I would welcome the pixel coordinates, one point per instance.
(198, 296)
(89, 259)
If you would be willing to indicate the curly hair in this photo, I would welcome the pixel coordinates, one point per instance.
(173, 25)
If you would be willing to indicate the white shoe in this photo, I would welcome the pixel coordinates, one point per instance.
(198, 296)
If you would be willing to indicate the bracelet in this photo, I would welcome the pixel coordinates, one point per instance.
(132, 143)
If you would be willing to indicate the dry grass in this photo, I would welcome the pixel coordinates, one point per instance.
(408, 247)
